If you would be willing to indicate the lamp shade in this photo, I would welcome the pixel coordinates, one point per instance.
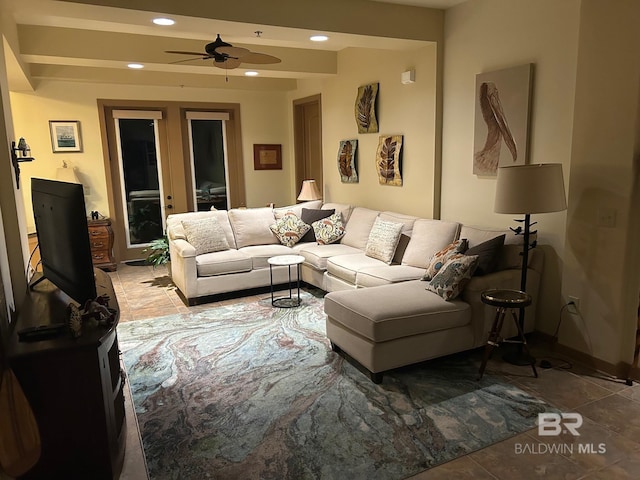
(530, 189)
(309, 191)
(66, 174)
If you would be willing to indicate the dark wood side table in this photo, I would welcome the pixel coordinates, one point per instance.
(503, 300)
(101, 239)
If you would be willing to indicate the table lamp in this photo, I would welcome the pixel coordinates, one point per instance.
(528, 189)
(309, 191)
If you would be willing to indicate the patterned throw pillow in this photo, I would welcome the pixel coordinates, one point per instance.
(383, 240)
(328, 230)
(289, 229)
(206, 235)
(440, 258)
(453, 276)
(310, 215)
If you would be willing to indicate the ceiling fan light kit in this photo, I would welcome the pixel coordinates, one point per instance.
(225, 55)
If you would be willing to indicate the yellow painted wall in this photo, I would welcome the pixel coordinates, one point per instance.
(602, 261)
(407, 110)
(263, 119)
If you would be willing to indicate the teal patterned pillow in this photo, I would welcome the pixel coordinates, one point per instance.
(440, 258)
(453, 276)
(289, 229)
(328, 230)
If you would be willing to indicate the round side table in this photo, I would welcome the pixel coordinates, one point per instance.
(288, 261)
(503, 300)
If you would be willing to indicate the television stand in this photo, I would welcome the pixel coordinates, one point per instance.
(74, 387)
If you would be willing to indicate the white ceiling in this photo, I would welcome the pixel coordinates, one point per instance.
(75, 40)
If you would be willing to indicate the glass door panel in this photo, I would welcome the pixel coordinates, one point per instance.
(141, 180)
(208, 164)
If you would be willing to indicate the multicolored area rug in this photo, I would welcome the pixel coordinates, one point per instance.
(251, 391)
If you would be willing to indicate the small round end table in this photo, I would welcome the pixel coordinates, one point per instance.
(288, 261)
(503, 300)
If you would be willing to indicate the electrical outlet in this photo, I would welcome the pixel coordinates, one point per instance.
(574, 305)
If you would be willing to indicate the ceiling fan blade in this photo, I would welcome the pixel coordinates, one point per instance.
(228, 64)
(189, 60)
(198, 54)
(235, 52)
(259, 58)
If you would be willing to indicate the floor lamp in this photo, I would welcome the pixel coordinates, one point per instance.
(528, 189)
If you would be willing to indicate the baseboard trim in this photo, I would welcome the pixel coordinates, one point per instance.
(621, 370)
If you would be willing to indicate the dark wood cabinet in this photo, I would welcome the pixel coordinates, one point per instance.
(101, 239)
(75, 388)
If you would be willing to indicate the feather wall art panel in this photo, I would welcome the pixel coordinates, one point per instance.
(388, 160)
(366, 107)
(503, 102)
(347, 161)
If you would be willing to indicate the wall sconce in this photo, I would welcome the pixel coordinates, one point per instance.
(20, 153)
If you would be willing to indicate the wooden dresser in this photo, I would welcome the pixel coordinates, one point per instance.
(101, 238)
(75, 387)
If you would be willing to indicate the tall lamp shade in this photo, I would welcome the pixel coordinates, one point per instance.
(530, 189)
(309, 191)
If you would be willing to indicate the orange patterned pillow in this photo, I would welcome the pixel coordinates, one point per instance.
(440, 258)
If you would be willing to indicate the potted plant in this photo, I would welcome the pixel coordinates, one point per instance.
(158, 253)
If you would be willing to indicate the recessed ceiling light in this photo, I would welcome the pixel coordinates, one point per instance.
(135, 65)
(319, 38)
(163, 21)
(251, 73)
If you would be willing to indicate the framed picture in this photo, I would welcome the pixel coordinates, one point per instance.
(501, 129)
(65, 136)
(347, 161)
(267, 157)
(365, 108)
(388, 160)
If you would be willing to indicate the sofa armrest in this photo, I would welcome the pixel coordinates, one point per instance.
(184, 272)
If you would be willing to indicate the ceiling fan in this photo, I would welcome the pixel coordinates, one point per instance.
(225, 55)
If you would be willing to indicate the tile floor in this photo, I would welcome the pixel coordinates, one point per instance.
(608, 447)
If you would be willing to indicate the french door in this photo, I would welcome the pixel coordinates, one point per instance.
(167, 157)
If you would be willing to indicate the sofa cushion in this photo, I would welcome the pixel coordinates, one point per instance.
(428, 237)
(310, 215)
(395, 311)
(279, 212)
(488, 254)
(251, 226)
(289, 229)
(358, 227)
(382, 275)
(205, 234)
(341, 208)
(346, 267)
(453, 276)
(440, 258)
(328, 230)
(175, 229)
(316, 255)
(383, 240)
(259, 254)
(223, 262)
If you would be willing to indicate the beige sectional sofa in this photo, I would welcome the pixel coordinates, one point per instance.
(379, 313)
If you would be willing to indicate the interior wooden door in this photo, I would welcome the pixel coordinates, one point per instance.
(308, 140)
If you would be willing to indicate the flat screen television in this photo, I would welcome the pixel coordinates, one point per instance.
(63, 237)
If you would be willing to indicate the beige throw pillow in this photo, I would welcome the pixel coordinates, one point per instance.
(383, 240)
(205, 234)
